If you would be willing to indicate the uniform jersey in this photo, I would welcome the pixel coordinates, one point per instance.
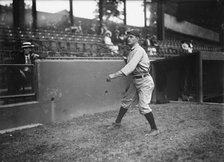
(137, 62)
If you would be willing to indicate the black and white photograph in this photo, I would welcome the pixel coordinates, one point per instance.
(111, 80)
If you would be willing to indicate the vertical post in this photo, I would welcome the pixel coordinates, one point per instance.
(34, 14)
(53, 109)
(145, 13)
(18, 13)
(125, 12)
(71, 12)
(36, 78)
(100, 4)
(153, 73)
(199, 72)
(15, 12)
(160, 20)
(221, 35)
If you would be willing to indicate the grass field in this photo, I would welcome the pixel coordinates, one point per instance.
(188, 132)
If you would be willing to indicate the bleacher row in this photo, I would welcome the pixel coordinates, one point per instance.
(174, 47)
(57, 43)
(50, 41)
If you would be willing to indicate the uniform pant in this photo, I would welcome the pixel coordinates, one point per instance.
(139, 92)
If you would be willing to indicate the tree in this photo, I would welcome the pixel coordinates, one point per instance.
(109, 10)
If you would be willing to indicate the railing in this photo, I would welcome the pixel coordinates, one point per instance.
(18, 83)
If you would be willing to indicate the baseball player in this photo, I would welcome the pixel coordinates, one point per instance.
(141, 88)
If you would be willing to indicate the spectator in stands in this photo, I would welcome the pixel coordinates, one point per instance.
(92, 29)
(73, 29)
(103, 29)
(26, 57)
(187, 47)
(69, 29)
(109, 44)
(76, 28)
(79, 28)
(123, 39)
(190, 50)
(53, 26)
(147, 43)
(154, 41)
(116, 37)
(116, 30)
(151, 45)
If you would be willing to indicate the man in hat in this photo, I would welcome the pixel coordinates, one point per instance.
(26, 57)
(142, 85)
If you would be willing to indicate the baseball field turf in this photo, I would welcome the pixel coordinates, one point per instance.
(188, 132)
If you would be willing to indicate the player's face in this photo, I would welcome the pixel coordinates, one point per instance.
(132, 40)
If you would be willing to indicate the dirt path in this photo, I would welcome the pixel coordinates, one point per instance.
(189, 132)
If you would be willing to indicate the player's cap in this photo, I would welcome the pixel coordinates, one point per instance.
(134, 32)
(27, 45)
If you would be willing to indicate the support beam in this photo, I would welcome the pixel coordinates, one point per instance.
(71, 12)
(199, 76)
(34, 14)
(100, 5)
(145, 13)
(221, 35)
(18, 13)
(160, 20)
(125, 12)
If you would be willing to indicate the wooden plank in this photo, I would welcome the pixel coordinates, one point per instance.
(17, 96)
(212, 55)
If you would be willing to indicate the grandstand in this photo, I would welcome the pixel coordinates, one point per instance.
(63, 52)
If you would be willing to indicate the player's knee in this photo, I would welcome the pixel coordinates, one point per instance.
(144, 110)
(126, 105)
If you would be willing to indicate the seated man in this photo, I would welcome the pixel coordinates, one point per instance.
(109, 44)
(26, 57)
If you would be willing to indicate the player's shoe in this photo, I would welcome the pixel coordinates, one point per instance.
(114, 126)
(153, 132)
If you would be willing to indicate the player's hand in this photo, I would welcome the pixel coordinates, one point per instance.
(125, 59)
(36, 56)
(110, 77)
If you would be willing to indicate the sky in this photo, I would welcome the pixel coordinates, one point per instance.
(85, 8)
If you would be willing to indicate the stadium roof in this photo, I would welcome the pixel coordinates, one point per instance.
(206, 13)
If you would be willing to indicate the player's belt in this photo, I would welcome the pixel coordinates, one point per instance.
(141, 76)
